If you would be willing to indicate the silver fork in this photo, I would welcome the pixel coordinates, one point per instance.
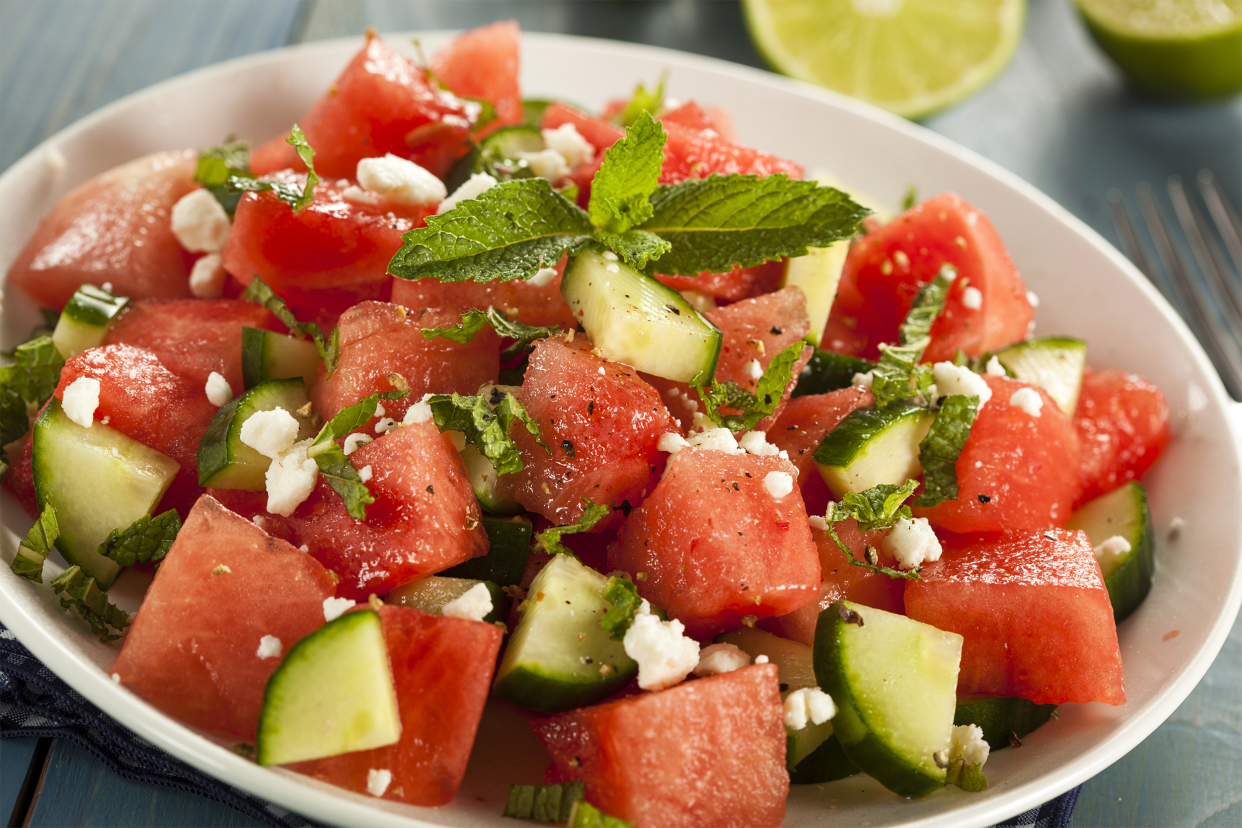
(1210, 300)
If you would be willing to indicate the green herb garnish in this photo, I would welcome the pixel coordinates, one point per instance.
(36, 546)
(753, 407)
(544, 803)
(91, 603)
(329, 349)
(550, 539)
(942, 446)
(879, 507)
(296, 197)
(146, 539)
(217, 165)
(623, 596)
(485, 421)
(27, 384)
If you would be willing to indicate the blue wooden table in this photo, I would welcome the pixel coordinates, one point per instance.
(1059, 116)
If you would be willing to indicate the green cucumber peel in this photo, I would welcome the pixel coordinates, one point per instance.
(36, 546)
(879, 507)
(586, 815)
(550, 539)
(544, 803)
(145, 540)
(83, 595)
(27, 384)
(330, 457)
(486, 425)
(623, 596)
(216, 165)
(298, 198)
(753, 407)
(474, 320)
(329, 348)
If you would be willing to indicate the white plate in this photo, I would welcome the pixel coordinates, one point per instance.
(1087, 289)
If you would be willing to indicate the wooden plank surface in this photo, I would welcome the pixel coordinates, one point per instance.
(16, 756)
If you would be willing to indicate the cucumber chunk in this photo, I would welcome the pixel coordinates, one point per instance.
(498, 152)
(827, 763)
(430, 594)
(830, 371)
(1121, 512)
(634, 319)
(799, 744)
(894, 682)
(332, 694)
(1000, 717)
(795, 662)
(267, 355)
(483, 479)
(86, 320)
(1055, 364)
(816, 274)
(98, 479)
(508, 548)
(224, 461)
(873, 446)
(558, 658)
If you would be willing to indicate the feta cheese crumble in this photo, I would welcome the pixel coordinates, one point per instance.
(972, 298)
(863, 380)
(473, 605)
(761, 659)
(472, 187)
(419, 412)
(716, 439)
(1112, 550)
(116, 678)
(1032, 298)
(756, 443)
(356, 195)
(400, 181)
(543, 277)
(715, 659)
(911, 542)
(778, 483)
(664, 654)
(218, 389)
(672, 442)
(967, 744)
(954, 379)
(334, 608)
(199, 223)
(378, 781)
(385, 425)
(356, 441)
(290, 478)
(207, 277)
(995, 369)
(269, 647)
(80, 400)
(818, 523)
(753, 369)
(1028, 400)
(364, 473)
(566, 140)
(269, 432)
(808, 705)
(547, 163)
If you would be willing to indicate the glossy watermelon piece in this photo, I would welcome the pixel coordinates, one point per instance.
(323, 259)
(708, 753)
(802, 426)
(382, 103)
(442, 671)
(716, 546)
(192, 650)
(1016, 471)
(599, 132)
(483, 63)
(738, 283)
(692, 153)
(1034, 613)
(526, 302)
(114, 228)
(378, 339)
(602, 428)
(886, 267)
(1122, 422)
(693, 116)
(193, 337)
(425, 517)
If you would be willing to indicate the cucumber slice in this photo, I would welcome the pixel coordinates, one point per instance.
(332, 694)
(1121, 512)
(799, 744)
(508, 549)
(430, 594)
(558, 658)
(794, 662)
(634, 319)
(498, 152)
(827, 763)
(86, 320)
(1055, 364)
(483, 479)
(532, 110)
(817, 274)
(267, 355)
(894, 682)
(224, 461)
(873, 446)
(1002, 716)
(830, 371)
(98, 479)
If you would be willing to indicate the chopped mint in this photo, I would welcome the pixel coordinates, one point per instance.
(550, 539)
(524, 335)
(91, 603)
(544, 803)
(753, 407)
(217, 165)
(329, 349)
(330, 457)
(928, 304)
(471, 323)
(147, 539)
(911, 199)
(644, 100)
(27, 384)
(487, 111)
(296, 197)
(586, 815)
(636, 247)
(486, 425)
(623, 596)
(968, 777)
(942, 446)
(34, 549)
(899, 363)
(622, 188)
(879, 507)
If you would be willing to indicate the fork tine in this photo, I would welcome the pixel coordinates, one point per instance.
(1227, 299)
(1222, 213)
(1129, 239)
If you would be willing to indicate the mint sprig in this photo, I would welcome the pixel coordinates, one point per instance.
(622, 188)
(752, 408)
(623, 596)
(550, 539)
(643, 100)
(296, 197)
(36, 546)
(899, 363)
(474, 320)
(83, 595)
(145, 540)
(329, 348)
(27, 384)
(879, 507)
(216, 165)
(544, 803)
(330, 457)
(486, 425)
(940, 449)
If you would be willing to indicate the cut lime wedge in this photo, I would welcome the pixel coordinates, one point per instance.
(911, 57)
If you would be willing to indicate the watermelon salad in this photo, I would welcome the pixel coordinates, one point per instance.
(451, 397)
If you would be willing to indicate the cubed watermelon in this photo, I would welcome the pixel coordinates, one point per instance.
(528, 303)
(738, 283)
(1122, 422)
(483, 63)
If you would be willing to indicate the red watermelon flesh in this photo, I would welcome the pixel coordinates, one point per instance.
(483, 63)
(442, 671)
(1122, 422)
(803, 425)
(885, 269)
(600, 133)
(382, 103)
(114, 228)
(709, 753)
(738, 283)
(378, 339)
(223, 586)
(425, 517)
(693, 116)
(716, 546)
(193, 337)
(602, 429)
(1015, 471)
(20, 480)
(528, 303)
(1034, 614)
(691, 153)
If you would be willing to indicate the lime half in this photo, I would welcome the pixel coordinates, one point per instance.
(911, 57)
(1189, 49)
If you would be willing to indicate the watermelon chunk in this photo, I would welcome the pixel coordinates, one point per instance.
(1122, 422)
(802, 426)
(114, 228)
(524, 301)
(224, 585)
(708, 753)
(738, 283)
(716, 545)
(442, 669)
(692, 153)
(1034, 613)
(483, 63)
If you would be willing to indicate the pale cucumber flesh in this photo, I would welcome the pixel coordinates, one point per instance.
(816, 274)
(267, 355)
(873, 446)
(430, 594)
(794, 661)
(1054, 364)
(224, 461)
(86, 320)
(1122, 512)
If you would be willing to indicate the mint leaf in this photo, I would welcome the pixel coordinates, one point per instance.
(622, 187)
(524, 335)
(335, 467)
(928, 304)
(544, 803)
(718, 222)
(146, 539)
(585, 815)
(643, 100)
(623, 596)
(879, 507)
(967, 777)
(508, 232)
(27, 384)
(296, 197)
(217, 165)
(753, 407)
(329, 349)
(550, 539)
(464, 331)
(942, 446)
(34, 549)
(890, 378)
(297, 139)
(911, 199)
(636, 247)
(900, 363)
(487, 111)
(486, 425)
(91, 603)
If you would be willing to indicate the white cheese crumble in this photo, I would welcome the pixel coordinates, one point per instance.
(1112, 550)
(716, 439)
(400, 181)
(761, 659)
(269, 432)
(543, 277)
(972, 298)
(419, 412)
(1032, 298)
(672, 442)
(80, 400)
(207, 277)
(995, 369)
(863, 380)
(473, 605)
(753, 369)
(269, 647)
(290, 479)
(380, 411)
(818, 523)
(218, 389)
(471, 188)
(334, 608)
(547, 163)
(566, 140)
(911, 542)
(356, 195)
(967, 744)
(756, 443)
(778, 483)
(356, 441)
(378, 781)
(199, 223)
(385, 425)
(1028, 400)
(954, 379)
(116, 678)
(602, 372)
(364, 473)
(715, 659)
(664, 654)
(808, 705)
(259, 521)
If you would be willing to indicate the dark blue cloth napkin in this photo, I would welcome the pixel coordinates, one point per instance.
(34, 702)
